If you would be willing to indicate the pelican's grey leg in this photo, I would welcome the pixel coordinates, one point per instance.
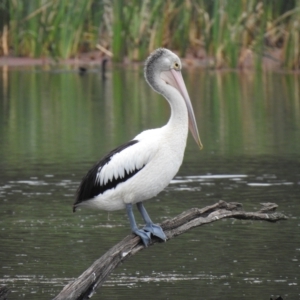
(145, 236)
(153, 228)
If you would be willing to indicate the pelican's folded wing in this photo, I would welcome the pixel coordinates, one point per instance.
(117, 166)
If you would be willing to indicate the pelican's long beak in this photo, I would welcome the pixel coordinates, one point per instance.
(174, 78)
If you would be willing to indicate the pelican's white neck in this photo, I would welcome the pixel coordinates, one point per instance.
(177, 126)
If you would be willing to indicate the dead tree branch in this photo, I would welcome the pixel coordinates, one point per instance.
(4, 291)
(85, 285)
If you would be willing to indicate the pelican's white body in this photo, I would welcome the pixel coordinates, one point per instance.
(139, 170)
(161, 150)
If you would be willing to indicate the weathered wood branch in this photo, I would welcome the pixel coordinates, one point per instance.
(85, 285)
(4, 291)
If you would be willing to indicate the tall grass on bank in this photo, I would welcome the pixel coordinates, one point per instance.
(228, 32)
(51, 28)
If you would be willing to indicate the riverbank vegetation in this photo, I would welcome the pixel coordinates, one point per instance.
(220, 33)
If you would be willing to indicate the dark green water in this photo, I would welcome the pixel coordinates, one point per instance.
(55, 124)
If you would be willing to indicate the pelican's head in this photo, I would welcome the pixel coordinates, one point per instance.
(164, 67)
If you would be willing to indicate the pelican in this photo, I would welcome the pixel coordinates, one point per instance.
(143, 167)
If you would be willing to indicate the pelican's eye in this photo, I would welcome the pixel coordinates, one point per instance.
(176, 66)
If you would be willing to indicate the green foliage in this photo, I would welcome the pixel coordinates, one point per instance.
(291, 51)
(50, 28)
(226, 29)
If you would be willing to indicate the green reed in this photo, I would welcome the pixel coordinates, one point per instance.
(53, 28)
(228, 31)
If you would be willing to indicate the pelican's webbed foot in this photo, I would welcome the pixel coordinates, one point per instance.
(144, 235)
(156, 230)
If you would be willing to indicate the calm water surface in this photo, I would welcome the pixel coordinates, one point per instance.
(54, 124)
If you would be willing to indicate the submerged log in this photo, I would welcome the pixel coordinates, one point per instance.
(86, 284)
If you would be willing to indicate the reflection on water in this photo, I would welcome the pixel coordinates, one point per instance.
(55, 124)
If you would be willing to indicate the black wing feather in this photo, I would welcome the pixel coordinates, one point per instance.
(89, 188)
